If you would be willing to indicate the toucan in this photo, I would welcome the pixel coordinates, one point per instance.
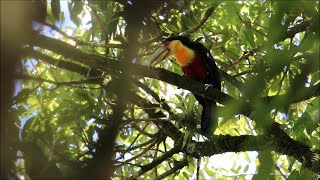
(197, 63)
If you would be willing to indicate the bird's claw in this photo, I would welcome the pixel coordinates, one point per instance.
(207, 86)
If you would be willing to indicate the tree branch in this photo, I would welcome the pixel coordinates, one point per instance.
(59, 83)
(178, 165)
(274, 138)
(70, 66)
(127, 68)
(80, 42)
(238, 84)
(156, 162)
(214, 146)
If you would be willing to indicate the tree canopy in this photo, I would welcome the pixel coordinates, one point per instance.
(86, 105)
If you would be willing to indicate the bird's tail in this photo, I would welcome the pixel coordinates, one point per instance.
(209, 119)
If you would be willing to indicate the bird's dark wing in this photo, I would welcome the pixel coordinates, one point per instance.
(207, 59)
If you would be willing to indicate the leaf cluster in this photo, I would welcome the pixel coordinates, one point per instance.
(88, 106)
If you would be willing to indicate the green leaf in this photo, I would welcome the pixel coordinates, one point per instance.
(247, 36)
(75, 8)
(302, 174)
(291, 161)
(246, 168)
(59, 111)
(29, 124)
(90, 133)
(32, 100)
(266, 165)
(22, 94)
(185, 175)
(112, 25)
(246, 156)
(55, 7)
(313, 110)
(210, 172)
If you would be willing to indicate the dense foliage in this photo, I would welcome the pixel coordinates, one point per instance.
(88, 106)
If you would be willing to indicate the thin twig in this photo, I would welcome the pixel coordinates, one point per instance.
(67, 83)
(282, 79)
(80, 42)
(201, 23)
(245, 72)
(284, 176)
(249, 25)
(245, 55)
(102, 26)
(179, 165)
(198, 167)
(122, 155)
(138, 155)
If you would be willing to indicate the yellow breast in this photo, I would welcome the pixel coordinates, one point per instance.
(182, 54)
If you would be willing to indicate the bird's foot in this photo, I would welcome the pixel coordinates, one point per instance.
(207, 86)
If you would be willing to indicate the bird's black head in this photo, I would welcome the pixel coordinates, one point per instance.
(184, 40)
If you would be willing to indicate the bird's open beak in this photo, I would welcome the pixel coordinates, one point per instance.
(159, 55)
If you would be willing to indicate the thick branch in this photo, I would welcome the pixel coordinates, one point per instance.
(65, 49)
(157, 161)
(274, 139)
(97, 62)
(29, 52)
(225, 144)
